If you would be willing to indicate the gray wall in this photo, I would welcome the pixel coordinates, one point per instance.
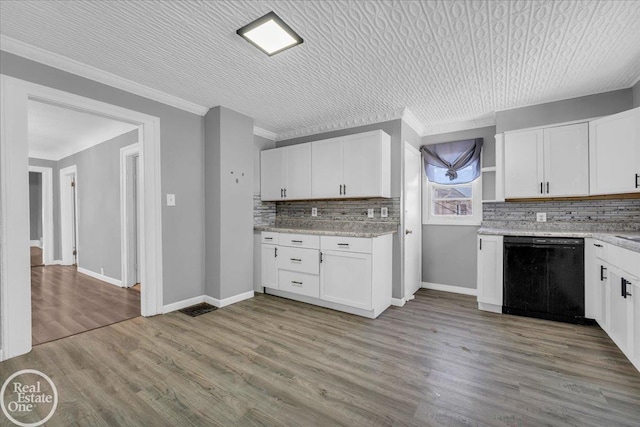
(584, 107)
(635, 90)
(182, 139)
(439, 242)
(98, 194)
(394, 129)
(35, 205)
(229, 184)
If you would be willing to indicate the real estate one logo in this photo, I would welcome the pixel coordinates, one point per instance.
(26, 396)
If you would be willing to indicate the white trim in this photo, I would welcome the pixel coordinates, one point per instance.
(36, 243)
(572, 122)
(56, 262)
(69, 65)
(458, 126)
(101, 277)
(428, 218)
(264, 133)
(413, 122)
(398, 302)
(15, 289)
(65, 218)
(125, 152)
(499, 168)
(228, 301)
(182, 304)
(450, 288)
(47, 212)
(485, 306)
(633, 84)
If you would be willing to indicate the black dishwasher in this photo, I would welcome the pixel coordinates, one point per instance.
(544, 278)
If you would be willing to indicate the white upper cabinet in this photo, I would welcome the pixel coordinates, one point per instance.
(285, 173)
(614, 144)
(548, 162)
(352, 166)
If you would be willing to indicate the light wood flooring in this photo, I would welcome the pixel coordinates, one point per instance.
(65, 302)
(36, 256)
(438, 361)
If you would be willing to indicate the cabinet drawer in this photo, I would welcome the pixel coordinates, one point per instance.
(299, 283)
(300, 240)
(347, 244)
(624, 259)
(600, 250)
(269, 237)
(299, 259)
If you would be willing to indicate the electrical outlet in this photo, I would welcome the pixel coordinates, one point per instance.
(541, 217)
(314, 211)
(370, 213)
(171, 199)
(384, 212)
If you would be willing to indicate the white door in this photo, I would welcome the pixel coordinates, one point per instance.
(297, 162)
(345, 278)
(272, 174)
(362, 165)
(620, 315)
(523, 164)
(327, 178)
(614, 145)
(412, 220)
(490, 274)
(566, 160)
(68, 215)
(269, 266)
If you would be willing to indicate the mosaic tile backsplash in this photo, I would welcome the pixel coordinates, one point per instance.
(614, 214)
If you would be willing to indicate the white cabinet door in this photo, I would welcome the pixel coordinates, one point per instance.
(635, 302)
(566, 160)
(523, 164)
(362, 165)
(614, 146)
(490, 274)
(591, 280)
(345, 278)
(269, 266)
(297, 164)
(620, 314)
(272, 174)
(326, 169)
(602, 292)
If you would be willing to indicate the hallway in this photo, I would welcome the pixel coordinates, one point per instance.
(65, 302)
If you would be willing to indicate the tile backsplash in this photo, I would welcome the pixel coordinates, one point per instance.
(613, 214)
(264, 213)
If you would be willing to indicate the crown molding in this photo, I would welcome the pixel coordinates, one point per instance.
(69, 65)
(264, 133)
(343, 124)
(458, 126)
(412, 121)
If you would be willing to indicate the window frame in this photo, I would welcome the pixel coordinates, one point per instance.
(428, 218)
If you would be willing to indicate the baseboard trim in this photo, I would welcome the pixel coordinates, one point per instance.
(182, 304)
(398, 302)
(228, 301)
(55, 262)
(36, 243)
(450, 288)
(484, 306)
(102, 277)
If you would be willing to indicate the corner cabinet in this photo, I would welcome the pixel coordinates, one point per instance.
(352, 166)
(549, 162)
(285, 173)
(614, 144)
(490, 273)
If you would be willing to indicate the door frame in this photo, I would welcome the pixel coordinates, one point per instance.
(15, 277)
(47, 212)
(127, 266)
(66, 215)
(411, 148)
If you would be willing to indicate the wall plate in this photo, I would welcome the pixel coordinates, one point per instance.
(314, 211)
(541, 217)
(384, 212)
(370, 213)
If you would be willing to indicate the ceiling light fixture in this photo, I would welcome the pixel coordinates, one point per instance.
(270, 34)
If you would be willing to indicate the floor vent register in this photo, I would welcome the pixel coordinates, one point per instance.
(198, 309)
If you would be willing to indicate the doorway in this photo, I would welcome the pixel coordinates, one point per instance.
(42, 213)
(69, 215)
(130, 191)
(412, 221)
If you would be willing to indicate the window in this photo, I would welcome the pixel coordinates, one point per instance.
(452, 204)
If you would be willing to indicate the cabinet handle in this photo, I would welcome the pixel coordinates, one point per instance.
(623, 287)
(602, 269)
(637, 185)
(296, 241)
(345, 189)
(541, 190)
(285, 191)
(276, 253)
(295, 259)
(597, 245)
(320, 256)
(480, 244)
(281, 192)
(343, 244)
(293, 282)
(268, 238)
(341, 189)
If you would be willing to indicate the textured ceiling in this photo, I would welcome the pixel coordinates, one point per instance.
(447, 61)
(56, 132)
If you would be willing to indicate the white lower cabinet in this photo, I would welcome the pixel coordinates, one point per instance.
(620, 326)
(490, 273)
(350, 274)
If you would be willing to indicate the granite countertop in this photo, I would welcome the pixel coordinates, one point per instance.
(612, 237)
(333, 228)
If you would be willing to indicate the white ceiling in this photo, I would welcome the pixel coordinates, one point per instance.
(446, 61)
(57, 132)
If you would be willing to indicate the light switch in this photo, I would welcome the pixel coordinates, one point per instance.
(171, 199)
